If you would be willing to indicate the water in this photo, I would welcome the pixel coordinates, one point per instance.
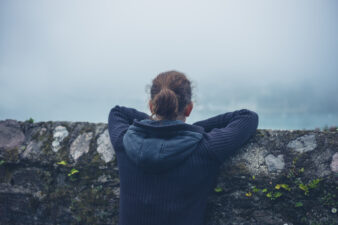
(282, 121)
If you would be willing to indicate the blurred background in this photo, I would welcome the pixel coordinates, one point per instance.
(73, 60)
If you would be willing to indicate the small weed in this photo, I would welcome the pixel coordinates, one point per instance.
(277, 194)
(304, 188)
(73, 171)
(285, 187)
(64, 163)
(218, 189)
(328, 199)
(274, 195)
(254, 189)
(298, 204)
(248, 194)
(311, 185)
(30, 120)
(2, 162)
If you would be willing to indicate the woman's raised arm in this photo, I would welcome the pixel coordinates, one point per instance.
(120, 118)
(228, 132)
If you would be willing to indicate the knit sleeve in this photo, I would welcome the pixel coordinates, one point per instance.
(228, 132)
(120, 118)
(219, 121)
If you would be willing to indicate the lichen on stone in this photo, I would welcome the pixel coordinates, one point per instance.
(334, 163)
(80, 145)
(32, 150)
(253, 160)
(59, 134)
(275, 164)
(11, 135)
(104, 147)
(304, 143)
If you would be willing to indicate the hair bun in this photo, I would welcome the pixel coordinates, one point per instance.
(165, 103)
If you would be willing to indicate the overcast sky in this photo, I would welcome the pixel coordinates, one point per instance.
(74, 60)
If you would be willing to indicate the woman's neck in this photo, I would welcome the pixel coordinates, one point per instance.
(179, 117)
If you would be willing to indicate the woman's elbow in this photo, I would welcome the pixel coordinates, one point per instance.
(252, 118)
(255, 120)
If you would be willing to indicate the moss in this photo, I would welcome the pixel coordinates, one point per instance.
(35, 136)
(12, 155)
(47, 145)
(34, 203)
(6, 171)
(289, 198)
(96, 159)
(41, 138)
(87, 128)
(60, 193)
(2, 162)
(82, 206)
(239, 169)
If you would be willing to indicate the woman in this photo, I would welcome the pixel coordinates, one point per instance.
(167, 167)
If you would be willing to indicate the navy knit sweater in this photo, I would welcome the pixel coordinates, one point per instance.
(168, 168)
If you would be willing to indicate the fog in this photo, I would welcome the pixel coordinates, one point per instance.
(75, 60)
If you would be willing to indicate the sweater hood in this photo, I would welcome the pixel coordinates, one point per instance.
(157, 146)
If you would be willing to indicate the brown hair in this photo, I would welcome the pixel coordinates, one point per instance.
(170, 93)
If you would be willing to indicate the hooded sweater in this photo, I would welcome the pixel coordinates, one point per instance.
(167, 168)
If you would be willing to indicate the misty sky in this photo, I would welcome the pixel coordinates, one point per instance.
(75, 60)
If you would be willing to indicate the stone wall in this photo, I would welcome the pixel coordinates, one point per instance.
(65, 173)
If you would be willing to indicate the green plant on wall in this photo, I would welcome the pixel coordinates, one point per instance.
(311, 185)
(298, 204)
(2, 162)
(63, 163)
(72, 172)
(248, 194)
(293, 172)
(284, 186)
(218, 189)
(30, 120)
(304, 188)
(274, 195)
(289, 190)
(271, 194)
(329, 199)
(254, 189)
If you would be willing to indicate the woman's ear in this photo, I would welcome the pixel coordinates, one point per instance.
(188, 109)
